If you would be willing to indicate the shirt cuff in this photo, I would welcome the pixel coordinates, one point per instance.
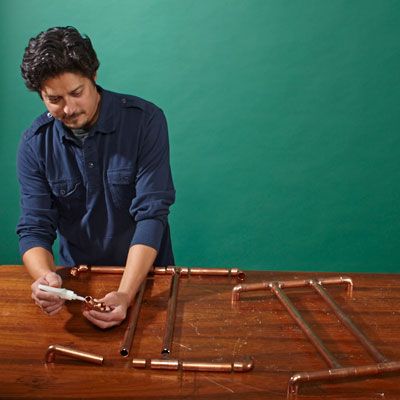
(29, 243)
(148, 232)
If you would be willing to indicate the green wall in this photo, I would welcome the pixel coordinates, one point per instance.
(284, 121)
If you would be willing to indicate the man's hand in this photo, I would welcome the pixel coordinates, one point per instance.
(118, 302)
(50, 303)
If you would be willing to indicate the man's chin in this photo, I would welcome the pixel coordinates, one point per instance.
(74, 124)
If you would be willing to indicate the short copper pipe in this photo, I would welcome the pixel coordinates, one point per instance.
(72, 353)
(132, 322)
(139, 363)
(295, 283)
(156, 363)
(315, 340)
(171, 313)
(348, 323)
(336, 374)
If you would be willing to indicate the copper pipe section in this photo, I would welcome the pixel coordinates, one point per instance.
(174, 364)
(156, 363)
(171, 313)
(139, 363)
(133, 318)
(340, 373)
(76, 271)
(236, 366)
(72, 353)
(295, 283)
(349, 323)
(234, 272)
(315, 340)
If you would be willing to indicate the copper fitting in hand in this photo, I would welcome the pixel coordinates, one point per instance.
(92, 304)
(68, 352)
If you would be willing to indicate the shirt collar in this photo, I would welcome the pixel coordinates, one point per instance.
(105, 122)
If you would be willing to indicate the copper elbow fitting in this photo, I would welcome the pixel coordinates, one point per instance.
(54, 349)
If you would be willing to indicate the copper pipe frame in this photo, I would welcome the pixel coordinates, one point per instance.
(336, 371)
(72, 353)
(234, 272)
(132, 322)
(174, 364)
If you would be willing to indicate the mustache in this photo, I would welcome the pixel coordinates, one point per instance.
(72, 116)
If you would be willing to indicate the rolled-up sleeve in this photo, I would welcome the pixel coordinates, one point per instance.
(38, 221)
(155, 191)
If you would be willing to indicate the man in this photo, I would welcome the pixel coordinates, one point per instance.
(96, 169)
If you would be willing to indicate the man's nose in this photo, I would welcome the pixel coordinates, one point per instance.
(69, 107)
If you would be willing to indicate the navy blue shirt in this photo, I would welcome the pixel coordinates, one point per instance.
(104, 195)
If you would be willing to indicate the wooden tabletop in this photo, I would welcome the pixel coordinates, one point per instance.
(207, 328)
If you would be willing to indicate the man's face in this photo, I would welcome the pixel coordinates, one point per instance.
(71, 98)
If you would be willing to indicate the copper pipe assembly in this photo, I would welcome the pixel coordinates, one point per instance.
(233, 272)
(171, 313)
(132, 322)
(72, 353)
(295, 283)
(174, 364)
(336, 371)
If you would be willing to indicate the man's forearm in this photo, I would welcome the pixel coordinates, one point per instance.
(38, 261)
(139, 261)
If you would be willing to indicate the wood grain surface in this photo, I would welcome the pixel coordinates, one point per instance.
(207, 328)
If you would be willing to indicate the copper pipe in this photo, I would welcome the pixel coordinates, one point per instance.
(295, 283)
(234, 272)
(174, 364)
(348, 323)
(171, 313)
(236, 366)
(133, 318)
(156, 363)
(68, 352)
(139, 363)
(315, 340)
(75, 271)
(340, 373)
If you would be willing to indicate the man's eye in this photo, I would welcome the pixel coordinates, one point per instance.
(54, 100)
(77, 94)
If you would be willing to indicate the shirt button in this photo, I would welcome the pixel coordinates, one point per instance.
(91, 164)
(62, 192)
(123, 101)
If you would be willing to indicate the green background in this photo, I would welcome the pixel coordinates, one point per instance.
(283, 115)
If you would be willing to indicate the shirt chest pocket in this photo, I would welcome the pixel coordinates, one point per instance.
(69, 196)
(121, 183)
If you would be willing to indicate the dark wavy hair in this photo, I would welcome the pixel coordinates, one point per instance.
(55, 51)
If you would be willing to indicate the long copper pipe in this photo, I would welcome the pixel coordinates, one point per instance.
(132, 322)
(73, 353)
(326, 354)
(340, 373)
(296, 283)
(348, 323)
(174, 364)
(171, 313)
(234, 272)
